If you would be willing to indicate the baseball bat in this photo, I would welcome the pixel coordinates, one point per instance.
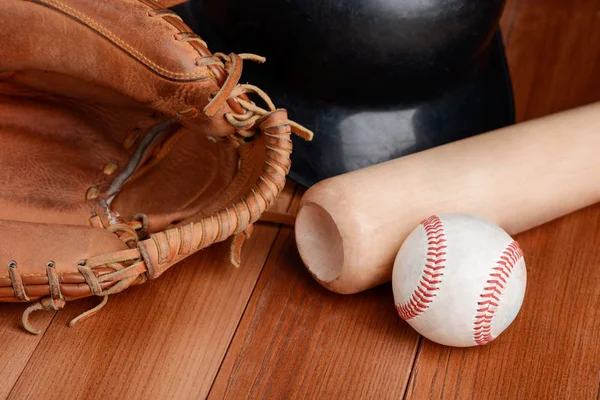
(350, 227)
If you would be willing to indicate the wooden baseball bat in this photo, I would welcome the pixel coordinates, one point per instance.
(350, 227)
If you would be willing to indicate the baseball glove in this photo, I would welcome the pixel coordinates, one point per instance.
(126, 147)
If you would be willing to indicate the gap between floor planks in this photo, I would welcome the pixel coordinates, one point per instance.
(298, 341)
(553, 94)
(165, 338)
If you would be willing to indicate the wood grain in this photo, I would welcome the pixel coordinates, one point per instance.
(552, 50)
(165, 339)
(283, 349)
(298, 340)
(16, 347)
(168, 338)
(552, 350)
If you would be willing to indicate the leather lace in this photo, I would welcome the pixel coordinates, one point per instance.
(129, 266)
(128, 271)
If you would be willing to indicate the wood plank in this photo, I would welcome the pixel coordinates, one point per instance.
(508, 19)
(133, 353)
(552, 350)
(552, 50)
(17, 346)
(298, 340)
(165, 339)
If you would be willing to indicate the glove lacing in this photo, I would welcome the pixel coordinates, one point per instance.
(129, 270)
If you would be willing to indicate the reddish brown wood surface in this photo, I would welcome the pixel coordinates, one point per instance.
(16, 347)
(552, 350)
(553, 50)
(282, 350)
(164, 339)
(268, 330)
(298, 340)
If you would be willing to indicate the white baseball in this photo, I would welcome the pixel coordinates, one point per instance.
(459, 280)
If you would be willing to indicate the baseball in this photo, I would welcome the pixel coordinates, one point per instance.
(459, 280)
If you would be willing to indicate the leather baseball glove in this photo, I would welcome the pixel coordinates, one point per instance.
(126, 146)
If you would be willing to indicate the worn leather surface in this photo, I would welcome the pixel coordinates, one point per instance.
(113, 44)
(32, 245)
(118, 157)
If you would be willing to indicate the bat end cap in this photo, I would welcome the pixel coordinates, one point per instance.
(320, 243)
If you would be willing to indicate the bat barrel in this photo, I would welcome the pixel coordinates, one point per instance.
(349, 228)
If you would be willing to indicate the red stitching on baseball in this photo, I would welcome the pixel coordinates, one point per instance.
(423, 295)
(500, 273)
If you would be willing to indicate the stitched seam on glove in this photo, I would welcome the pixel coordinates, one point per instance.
(91, 23)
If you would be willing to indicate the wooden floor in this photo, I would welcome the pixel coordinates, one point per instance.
(268, 330)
